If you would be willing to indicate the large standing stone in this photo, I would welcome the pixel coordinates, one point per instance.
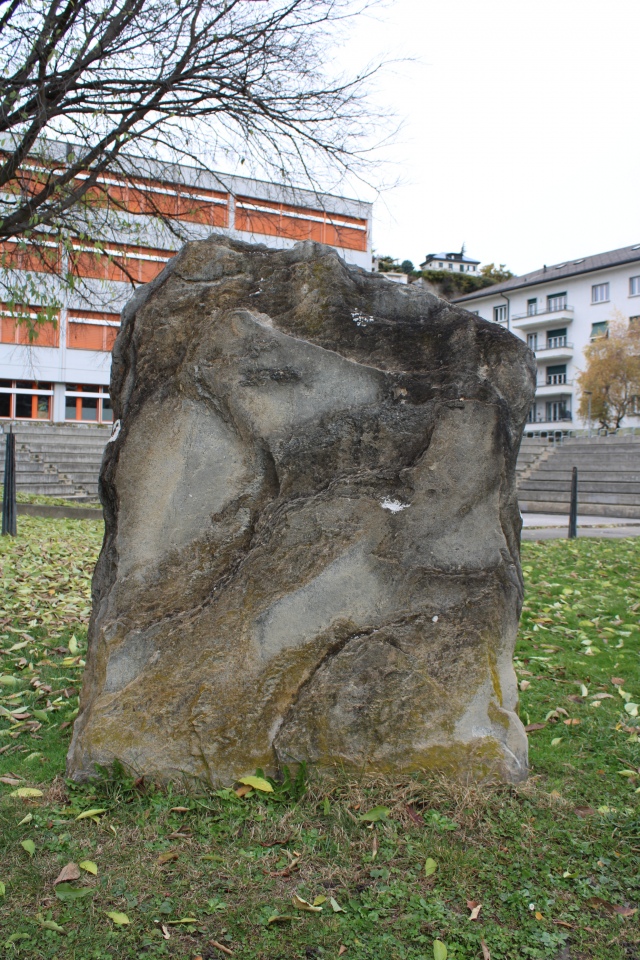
(312, 533)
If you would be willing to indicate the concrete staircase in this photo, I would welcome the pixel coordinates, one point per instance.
(608, 478)
(59, 460)
(532, 451)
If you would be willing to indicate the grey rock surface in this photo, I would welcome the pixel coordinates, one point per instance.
(312, 532)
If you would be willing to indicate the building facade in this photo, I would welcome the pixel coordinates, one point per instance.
(558, 311)
(459, 262)
(64, 374)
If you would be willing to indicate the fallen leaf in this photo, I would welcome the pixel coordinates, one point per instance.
(485, 950)
(89, 867)
(625, 911)
(243, 791)
(573, 722)
(475, 909)
(49, 924)
(3, 889)
(556, 741)
(166, 935)
(91, 813)
(335, 906)
(584, 812)
(632, 709)
(167, 857)
(221, 946)
(439, 950)
(575, 698)
(68, 893)
(258, 783)
(302, 904)
(342, 949)
(8, 681)
(29, 846)
(373, 816)
(534, 726)
(524, 684)
(179, 810)
(415, 816)
(174, 923)
(317, 901)
(10, 781)
(70, 872)
(538, 915)
(280, 918)
(617, 681)
(597, 903)
(27, 819)
(26, 792)
(430, 866)
(374, 848)
(563, 923)
(120, 919)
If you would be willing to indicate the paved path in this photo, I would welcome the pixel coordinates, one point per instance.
(554, 526)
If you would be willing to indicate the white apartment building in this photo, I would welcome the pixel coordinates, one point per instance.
(64, 375)
(558, 310)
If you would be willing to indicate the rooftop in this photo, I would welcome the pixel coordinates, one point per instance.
(458, 256)
(559, 271)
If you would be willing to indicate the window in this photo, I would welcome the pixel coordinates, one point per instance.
(90, 330)
(634, 286)
(557, 301)
(556, 338)
(558, 410)
(500, 314)
(88, 402)
(599, 292)
(25, 400)
(532, 307)
(557, 374)
(450, 266)
(462, 268)
(599, 329)
(532, 341)
(531, 416)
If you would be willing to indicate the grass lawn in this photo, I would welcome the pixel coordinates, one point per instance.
(186, 874)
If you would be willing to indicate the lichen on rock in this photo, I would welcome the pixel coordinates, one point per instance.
(312, 532)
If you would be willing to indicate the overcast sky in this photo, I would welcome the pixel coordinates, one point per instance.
(522, 131)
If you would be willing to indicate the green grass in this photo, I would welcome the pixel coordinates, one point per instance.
(549, 860)
(42, 500)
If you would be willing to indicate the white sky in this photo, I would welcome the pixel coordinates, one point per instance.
(522, 127)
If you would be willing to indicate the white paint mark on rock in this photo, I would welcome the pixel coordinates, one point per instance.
(434, 619)
(361, 319)
(115, 431)
(394, 505)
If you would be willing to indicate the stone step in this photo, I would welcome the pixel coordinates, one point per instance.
(584, 486)
(596, 476)
(593, 509)
(586, 497)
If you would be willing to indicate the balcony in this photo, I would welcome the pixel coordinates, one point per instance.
(543, 318)
(557, 348)
(553, 385)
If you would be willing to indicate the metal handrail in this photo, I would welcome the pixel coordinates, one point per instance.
(551, 380)
(553, 345)
(542, 313)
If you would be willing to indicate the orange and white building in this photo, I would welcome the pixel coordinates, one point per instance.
(64, 374)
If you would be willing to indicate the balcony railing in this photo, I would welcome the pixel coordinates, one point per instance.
(559, 418)
(541, 313)
(554, 343)
(555, 380)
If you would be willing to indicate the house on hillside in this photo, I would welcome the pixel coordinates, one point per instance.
(459, 262)
(64, 375)
(558, 310)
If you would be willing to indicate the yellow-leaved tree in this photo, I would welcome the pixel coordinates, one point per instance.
(612, 375)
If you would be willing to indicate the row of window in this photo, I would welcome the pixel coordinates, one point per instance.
(28, 400)
(600, 293)
(86, 330)
(554, 339)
